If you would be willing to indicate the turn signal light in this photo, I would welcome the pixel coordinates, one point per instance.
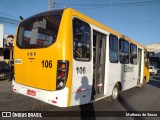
(63, 66)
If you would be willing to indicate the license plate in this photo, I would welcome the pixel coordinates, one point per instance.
(31, 92)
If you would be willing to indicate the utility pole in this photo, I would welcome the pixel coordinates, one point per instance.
(49, 5)
(52, 3)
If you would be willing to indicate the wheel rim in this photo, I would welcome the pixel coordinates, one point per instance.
(115, 93)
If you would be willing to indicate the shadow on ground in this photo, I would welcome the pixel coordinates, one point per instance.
(155, 81)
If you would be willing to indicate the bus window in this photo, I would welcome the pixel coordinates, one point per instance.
(113, 49)
(81, 40)
(133, 54)
(38, 32)
(124, 51)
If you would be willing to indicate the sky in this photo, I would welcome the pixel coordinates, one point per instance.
(137, 19)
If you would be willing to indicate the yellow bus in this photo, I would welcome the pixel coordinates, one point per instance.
(65, 58)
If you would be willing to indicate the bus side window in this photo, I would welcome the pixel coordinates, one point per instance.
(81, 40)
(113, 48)
(133, 54)
(124, 51)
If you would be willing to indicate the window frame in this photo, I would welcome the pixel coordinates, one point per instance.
(89, 41)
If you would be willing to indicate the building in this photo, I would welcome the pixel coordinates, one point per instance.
(6, 47)
(154, 52)
(1, 35)
(154, 49)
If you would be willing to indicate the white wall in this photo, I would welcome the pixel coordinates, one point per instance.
(1, 35)
(154, 48)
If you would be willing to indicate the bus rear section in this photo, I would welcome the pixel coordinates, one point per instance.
(41, 68)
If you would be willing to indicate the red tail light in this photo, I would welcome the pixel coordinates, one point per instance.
(62, 74)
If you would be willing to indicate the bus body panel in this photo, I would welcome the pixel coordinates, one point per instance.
(57, 98)
(146, 73)
(65, 45)
(127, 79)
(33, 69)
(81, 84)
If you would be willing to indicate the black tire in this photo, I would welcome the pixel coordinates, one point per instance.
(115, 94)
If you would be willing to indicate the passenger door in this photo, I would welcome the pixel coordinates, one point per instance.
(99, 42)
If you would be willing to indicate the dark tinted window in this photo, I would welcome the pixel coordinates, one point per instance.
(113, 49)
(124, 51)
(133, 54)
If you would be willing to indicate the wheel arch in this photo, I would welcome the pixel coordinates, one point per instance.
(120, 85)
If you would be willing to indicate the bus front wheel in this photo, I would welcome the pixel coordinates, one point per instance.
(115, 94)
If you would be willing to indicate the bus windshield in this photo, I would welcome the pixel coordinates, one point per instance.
(39, 31)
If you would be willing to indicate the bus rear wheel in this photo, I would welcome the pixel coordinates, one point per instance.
(115, 94)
